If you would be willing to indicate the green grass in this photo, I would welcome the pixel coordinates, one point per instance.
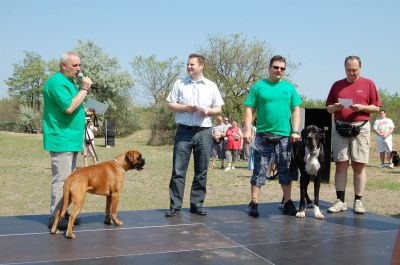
(25, 179)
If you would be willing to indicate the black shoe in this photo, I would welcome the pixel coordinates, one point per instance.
(172, 212)
(198, 211)
(77, 220)
(289, 208)
(253, 209)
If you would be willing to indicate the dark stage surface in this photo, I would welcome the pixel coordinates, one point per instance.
(227, 235)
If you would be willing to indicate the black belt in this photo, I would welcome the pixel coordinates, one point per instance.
(193, 128)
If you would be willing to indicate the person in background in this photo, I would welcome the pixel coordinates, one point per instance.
(226, 122)
(88, 142)
(227, 126)
(218, 133)
(63, 123)
(278, 119)
(234, 144)
(365, 100)
(194, 99)
(383, 127)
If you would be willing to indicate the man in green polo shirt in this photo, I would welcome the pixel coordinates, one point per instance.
(63, 122)
(276, 104)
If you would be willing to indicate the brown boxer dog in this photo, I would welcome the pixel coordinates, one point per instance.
(105, 179)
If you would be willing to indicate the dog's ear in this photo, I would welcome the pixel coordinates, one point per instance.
(131, 157)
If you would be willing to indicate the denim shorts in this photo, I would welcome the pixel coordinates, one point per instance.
(267, 153)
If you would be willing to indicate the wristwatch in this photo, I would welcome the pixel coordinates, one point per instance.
(296, 132)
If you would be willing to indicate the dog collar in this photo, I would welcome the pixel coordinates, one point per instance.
(119, 165)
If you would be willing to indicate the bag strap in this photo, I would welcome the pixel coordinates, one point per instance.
(362, 124)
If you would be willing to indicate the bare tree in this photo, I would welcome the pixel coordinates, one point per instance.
(156, 77)
(235, 64)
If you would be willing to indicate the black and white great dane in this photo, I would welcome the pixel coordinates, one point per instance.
(309, 156)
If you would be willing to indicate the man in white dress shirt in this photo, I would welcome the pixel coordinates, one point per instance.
(194, 99)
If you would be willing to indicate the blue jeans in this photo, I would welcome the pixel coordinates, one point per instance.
(267, 153)
(186, 141)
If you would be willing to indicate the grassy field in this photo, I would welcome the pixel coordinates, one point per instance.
(25, 179)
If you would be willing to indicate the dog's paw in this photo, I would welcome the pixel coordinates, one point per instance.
(70, 235)
(317, 213)
(301, 214)
(117, 222)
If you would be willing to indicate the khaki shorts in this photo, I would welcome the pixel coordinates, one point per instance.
(355, 148)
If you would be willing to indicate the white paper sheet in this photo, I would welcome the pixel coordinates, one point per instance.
(346, 102)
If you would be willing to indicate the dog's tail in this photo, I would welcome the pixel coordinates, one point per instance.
(65, 200)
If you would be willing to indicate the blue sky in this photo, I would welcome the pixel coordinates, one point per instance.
(318, 34)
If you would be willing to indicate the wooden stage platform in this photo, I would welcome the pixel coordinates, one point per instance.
(227, 235)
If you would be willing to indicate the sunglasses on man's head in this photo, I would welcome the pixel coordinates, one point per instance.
(278, 68)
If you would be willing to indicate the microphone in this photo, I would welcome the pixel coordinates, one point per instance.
(93, 86)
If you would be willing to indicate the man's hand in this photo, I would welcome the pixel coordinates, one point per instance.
(357, 107)
(86, 83)
(189, 108)
(247, 136)
(295, 137)
(335, 107)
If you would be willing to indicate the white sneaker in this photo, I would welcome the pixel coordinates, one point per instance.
(382, 165)
(390, 165)
(358, 207)
(227, 168)
(338, 206)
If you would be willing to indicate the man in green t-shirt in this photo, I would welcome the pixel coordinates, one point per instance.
(276, 103)
(63, 122)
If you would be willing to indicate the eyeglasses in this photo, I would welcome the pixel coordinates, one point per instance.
(278, 68)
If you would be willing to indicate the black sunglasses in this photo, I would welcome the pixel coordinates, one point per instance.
(277, 68)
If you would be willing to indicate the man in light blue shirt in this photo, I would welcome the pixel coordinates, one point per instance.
(194, 99)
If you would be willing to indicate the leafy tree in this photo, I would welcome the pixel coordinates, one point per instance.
(27, 80)
(235, 64)
(53, 66)
(312, 103)
(29, 119)
(391, 104)
(111, 85)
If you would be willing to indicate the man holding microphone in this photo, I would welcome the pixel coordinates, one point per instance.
(64, 122)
